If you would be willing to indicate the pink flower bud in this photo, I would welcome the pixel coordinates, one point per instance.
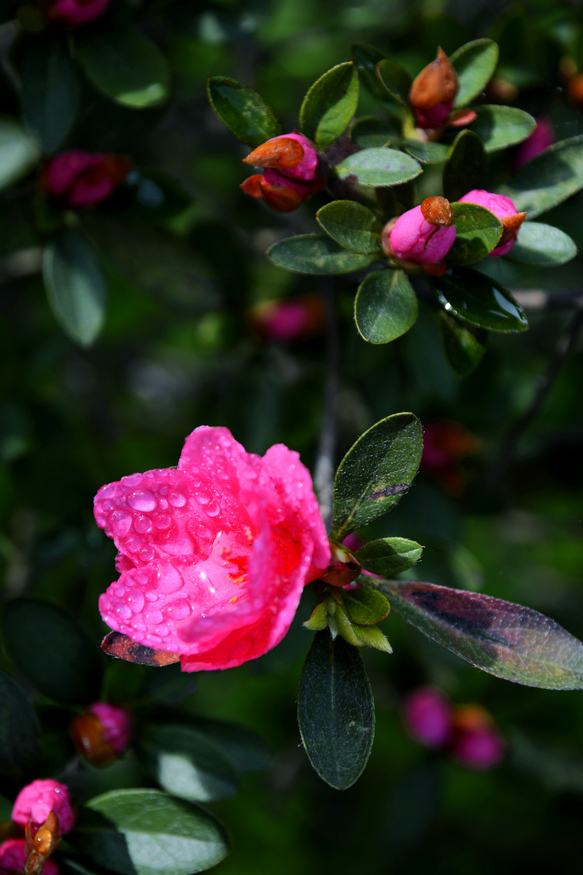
(13, 857)
(102, 732)
(292, 172)
(505, 209)
(428, 716)
(116, 722)
(36, 800)
(541, 138)
(290, 320)
(475, 741)
(72, 13)
(423, 235)
(80, 179)
(221, 548)
(433, 92)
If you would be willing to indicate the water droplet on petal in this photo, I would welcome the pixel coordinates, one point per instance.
(212, 509)
(120, 522)
(135, 600)
(170, 580)
(142, 524)
(142, 500)
(164, 521)
(107, 491)
(178, 610)
(123, 611)
(146, 554)
(132, 544)
(203, 498)
(177, 499)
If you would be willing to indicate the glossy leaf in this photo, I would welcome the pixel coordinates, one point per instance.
(146, 832)
(52, 651)
(463, 349)
(75, 286)
(548, 179)
(185, 763)
(19, 152)
(502, 638)
(372, 133)
(543, 245)
(243, 111)
(376, 472)
(389, 556)
(366, 58)
(480, 300)
(395, 79)
(426, 153)
(335, 711)
(352, 225)
(50, 92)
(379, 166)
(474, 63)
(330, 104)
(465, 168)
(126, 66)
(20, 738)
(477, 233)
(501, 126)
(316, 254)
(365, 606)
(385, 306)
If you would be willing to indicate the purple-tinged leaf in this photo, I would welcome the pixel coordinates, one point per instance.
(504, 639)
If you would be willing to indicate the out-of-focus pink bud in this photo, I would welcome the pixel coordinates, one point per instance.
(72, 13)
(428, 716)
(102, 732)
(433, 92)
(541, 138)
(475, 741)
(445, 444)
(505, 209)
(14, 855)
(293, 172)
(36, 801)
(423, 235)
(116, 722)
(81, 179)
(289, 320)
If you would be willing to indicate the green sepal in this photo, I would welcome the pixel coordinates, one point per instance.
(364, 607)
(371, 636)
(318, 618)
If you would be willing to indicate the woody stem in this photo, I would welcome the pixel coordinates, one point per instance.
(324, 468)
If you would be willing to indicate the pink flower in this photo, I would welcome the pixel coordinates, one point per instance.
(505, 209)
(428, 716)
(292, 172)
(36, 800)
(423, 235)
(475, 741)
(541, 138)
(75, 12)
(116, 722)
(290, 320)
(13, 856)
(80, 179)
(214, 554)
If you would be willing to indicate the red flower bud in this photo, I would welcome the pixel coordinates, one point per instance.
(80, 179)
(292, 172)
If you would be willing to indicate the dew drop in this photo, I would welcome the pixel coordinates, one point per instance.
(212, 509)
(164, 521)
(132, 544)
(177, 499)
(120, 522)
(142, 524)
(163, 504)
(162, 630)
(132, 479)
(142, 500)
(170, 581)
(153, 616)
(107, 491)
(146, 554)
(151, 597)
(123, 611)
(203, 498)
(135, 601)
(164, 490)
(178, 610)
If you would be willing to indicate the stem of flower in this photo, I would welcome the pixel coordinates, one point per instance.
(324, 468)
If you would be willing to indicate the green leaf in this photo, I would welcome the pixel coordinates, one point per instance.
(385, 306)
(316, 254)
(146, 832)
(544, 245)
(19, 152)
(185, 763)
(243, 111)
(352, 225)
(53, 652)
(465, 168)
(548, 179)
(366, 58)
(50, 92)
(501, 126)
(20, 738)
(376, 472)
(389, 556)
(75, 286)
(426, 153)
(463, 349)
(396, 80)
(330, 104)
(245, 749)
(474, 64)
(502, 638)
(380, 166)
(480, 300)
(477, 233)
(363, 606)
(335, 711)
(371, 133)
(126, 66)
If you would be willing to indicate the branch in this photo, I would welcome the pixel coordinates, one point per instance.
(536, 299)
(324, 468)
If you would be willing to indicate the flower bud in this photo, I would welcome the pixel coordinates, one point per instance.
(423, 235)
(445, 444)
(292, 172)
(428, 716)
(289, 320)
(433, 92)
(80, 179)
(476, 742)
(502, 207)
(541, 138)
(102, 732)
(14, 855)
(72, 13)
(343, 567)
(35, 802)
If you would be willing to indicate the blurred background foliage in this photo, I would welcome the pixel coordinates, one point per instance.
(180, 348)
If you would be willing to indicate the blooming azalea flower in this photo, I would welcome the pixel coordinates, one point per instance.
(213, 554)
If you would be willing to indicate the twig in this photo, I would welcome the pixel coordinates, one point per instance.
(540, 300)
(324, 468)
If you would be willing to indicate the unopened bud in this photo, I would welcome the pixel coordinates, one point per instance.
(505, 210)
(344, 566)
(414, 238)
(433, 92)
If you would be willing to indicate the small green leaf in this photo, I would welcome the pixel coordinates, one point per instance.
(352, 225)
(364, 606)
(502, 638)
(396, 80)
(501, 126)
(146, 832)
(380, 166)
(126, 66)
(243, 111)
(385, 306)
(50, 92)
(465, 168)
(543, 245)
(20, 738)
(318, 619)
(477, 233)
(371, 636)
(366, 58)
(75, 286)
(316, 254)
(33, 629)
(389, 556)
(480, 300)
(376, 472)
(426, 153)
(19, 152)
(330, 104)
(548, 179)
(185, 763)
(463, 349)
(474, 64)
(335, 711)
(371, 133)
